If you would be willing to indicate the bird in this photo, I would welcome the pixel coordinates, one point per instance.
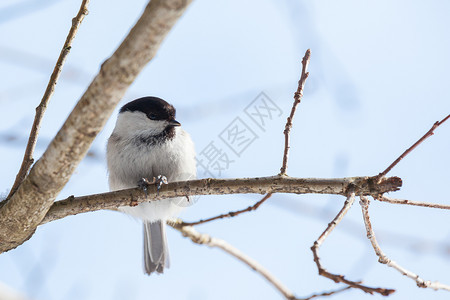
(148, 144)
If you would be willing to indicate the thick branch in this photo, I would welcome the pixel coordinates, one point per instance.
(27, 207)
(40, 110)
(297, 98)
(260, 185)
(382, 258)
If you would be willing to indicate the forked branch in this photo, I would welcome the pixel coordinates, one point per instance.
(27, 207)
(335, 277)
(382, 258)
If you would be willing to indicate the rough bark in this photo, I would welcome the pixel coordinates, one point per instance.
(27, 207)
(261, 185)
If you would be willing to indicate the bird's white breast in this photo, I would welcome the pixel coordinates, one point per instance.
(129, 161)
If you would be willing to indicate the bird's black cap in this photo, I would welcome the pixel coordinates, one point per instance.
(153, 107)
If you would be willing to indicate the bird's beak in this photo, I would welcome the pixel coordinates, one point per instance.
(174, 123)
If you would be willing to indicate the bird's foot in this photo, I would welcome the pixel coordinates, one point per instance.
(159, 181)
(144, 183)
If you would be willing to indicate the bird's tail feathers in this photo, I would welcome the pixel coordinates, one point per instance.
(156, 252)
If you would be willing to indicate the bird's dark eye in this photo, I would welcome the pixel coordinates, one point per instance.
(152, 116)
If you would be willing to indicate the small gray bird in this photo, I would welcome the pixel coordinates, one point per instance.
(147, 142)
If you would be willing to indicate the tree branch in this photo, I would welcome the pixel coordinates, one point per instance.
(205, 239)
(383, 259)
(40, 110)
(30, 202)
(407, 151)
(231, 213)
(28, 206)
(297, 98)
(384, 198)
(211, 186)
(329, 293)
(340, 278)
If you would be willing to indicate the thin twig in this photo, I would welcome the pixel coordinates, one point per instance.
(231, 213)
(324, 294)
(40, 110)
(340, 278)
(297, 98)
(412, 242)
(205, 239)
(383, 198)
(423, 138)
(382, 258)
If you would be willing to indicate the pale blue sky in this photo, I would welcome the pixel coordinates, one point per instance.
(378, 80)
